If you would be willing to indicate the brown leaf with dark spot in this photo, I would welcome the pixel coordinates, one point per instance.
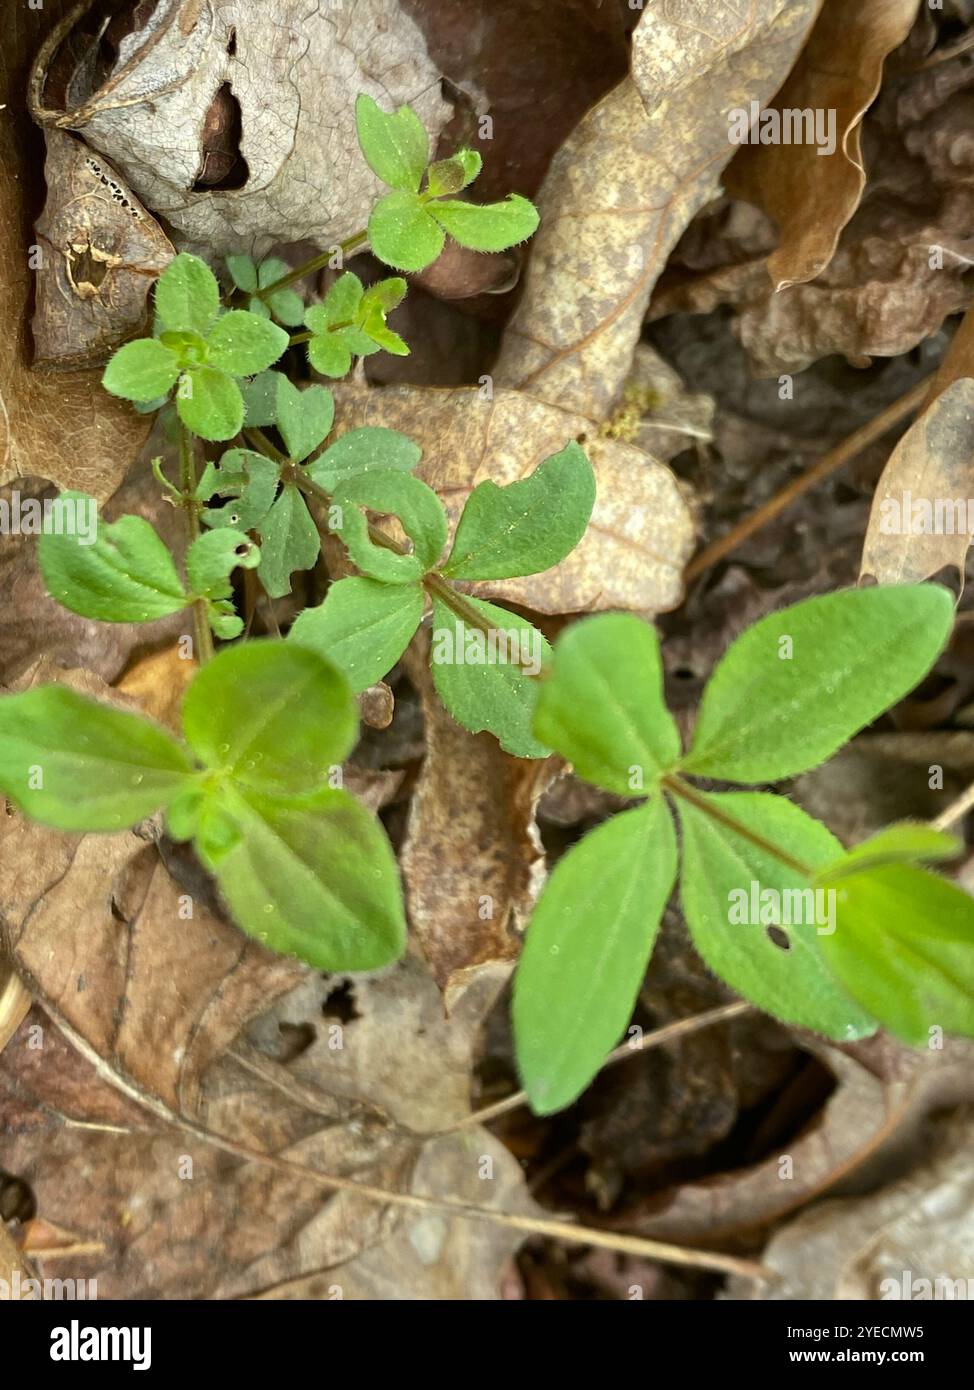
(472, 861)
(101, 254)
(63, 427)
(812, 194)
(624, 186)
(640, 535)
(920, 519)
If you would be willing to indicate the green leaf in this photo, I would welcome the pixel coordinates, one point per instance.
(525, 527)
(126, 576)
(454, 174)
(391, 493)
(909, 842)
(329, 355)
(377, 302)
(904, 947)
(141, 371)
(286, 304)
(586, 952)
(242, 343)
(274, 715)
(303, 417)
(479, 678)
(213, 557)
(363, 627)
(335, 323)
(260, 399)
(248, 477)
(187, 295)
(76, 764)
(289, 542)
(488, 227)
(311, 876)
(243, 272)
(209, 403)
(727, 881)
(396, 146)
(361, 451)
(403, 234)
(798, 684)
(602, 704)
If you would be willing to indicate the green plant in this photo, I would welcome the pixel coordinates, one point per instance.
(835, 941)
(266, 724)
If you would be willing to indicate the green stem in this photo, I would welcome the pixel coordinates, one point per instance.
(316, 263)
(191, 509)
(301, 338)
(677, 787)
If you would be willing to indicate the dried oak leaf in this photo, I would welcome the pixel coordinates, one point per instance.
(812, 194)
(101, 253)
(472, 860)
(640, 535)
(64, 427)
(624, 186)
(907, 539)
(240, 132)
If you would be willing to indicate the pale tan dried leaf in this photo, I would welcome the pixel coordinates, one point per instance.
(640, 535)
(919, 521)
(812, 194)
(958, 360)
(14, 1002)
(100, 255)
(472, 861)
(294, 81)
(63, 427)
(157, 682)
(625, 185)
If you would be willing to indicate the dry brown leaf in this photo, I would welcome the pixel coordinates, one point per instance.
(882, 1093)
(640, 535)
(472, 861)
(202, 92)
(102, 253)
(919, 1228)
(157, 683)
(920, 519)
(624, 186)
(811, 194)
(63, 427)
(958, 359)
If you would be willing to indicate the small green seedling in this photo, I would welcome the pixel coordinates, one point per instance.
(834, 941)
(303, 866)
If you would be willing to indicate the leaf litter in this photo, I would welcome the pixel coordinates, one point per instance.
(169, 1037)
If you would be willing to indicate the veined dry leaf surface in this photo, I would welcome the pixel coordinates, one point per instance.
(63, 426)
(640, 535)
(294, 179)
(811, 193)
(918, 523)
(623, 187)
(472, 860)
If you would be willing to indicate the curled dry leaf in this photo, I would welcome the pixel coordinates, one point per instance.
(625, 185)
(239, 132)
(883, 1092)
(640, 535)
(472, 861)
(100, 253)
(917, 1232)
(812, 191)
(61, 427)
(919, 521)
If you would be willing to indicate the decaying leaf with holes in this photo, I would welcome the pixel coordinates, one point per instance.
(221, 121)
(99, 254)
